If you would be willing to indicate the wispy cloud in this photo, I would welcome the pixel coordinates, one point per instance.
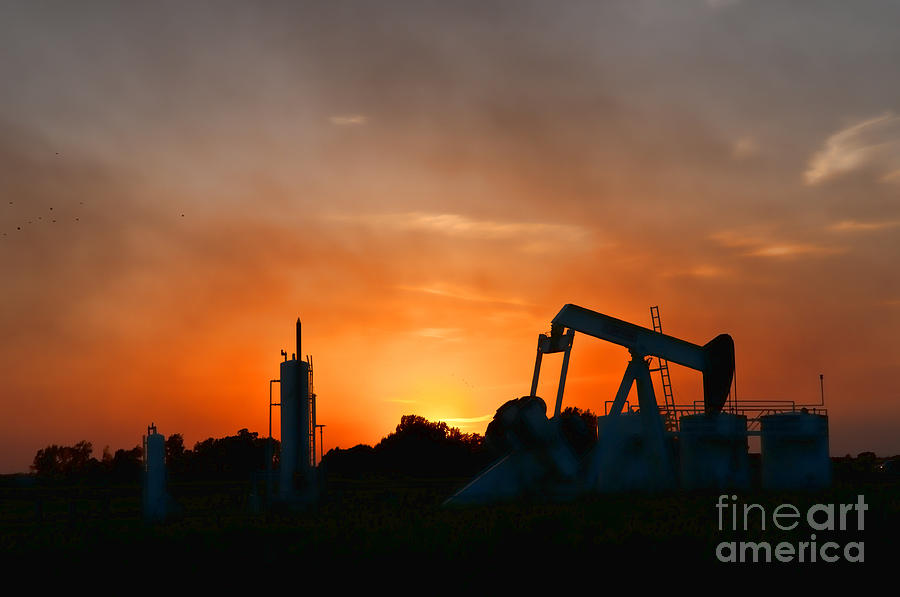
(465, 294)
(348, 120)
(792, 250)
(534, 236)
(856, 226)
(457, 225)
(480, 419)
(439, 333)
(873, 143)
(700, 271)
(737, 239)
(744, 147)
(755, 245)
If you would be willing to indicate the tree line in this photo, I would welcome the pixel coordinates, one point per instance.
(234, 457)
(417, 448)
(421, 448)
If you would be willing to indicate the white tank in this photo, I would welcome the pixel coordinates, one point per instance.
(155, 498)
(632, 455)
(713, 451)
(794, 449)
(295, 456)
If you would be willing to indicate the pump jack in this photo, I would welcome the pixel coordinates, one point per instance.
(545, 463)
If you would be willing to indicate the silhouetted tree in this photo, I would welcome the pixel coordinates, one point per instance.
(356, 461)
(862, 468)
(176, 456)
(579, 427)
(63, 461)
(231, 457)
(126, 465)
(47, 461)
(417, 447)
(235, 456)
(174, 447)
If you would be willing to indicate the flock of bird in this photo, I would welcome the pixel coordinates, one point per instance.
(51, 218)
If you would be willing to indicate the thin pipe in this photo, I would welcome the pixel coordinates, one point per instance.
(822, 388)
(271, 451)
(299, 352)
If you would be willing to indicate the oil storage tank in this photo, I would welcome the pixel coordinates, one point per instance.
(713, 451)
(155, 498)
(794, 448)
(631, 455)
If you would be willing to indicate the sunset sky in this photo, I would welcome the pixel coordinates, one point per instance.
(426, 184)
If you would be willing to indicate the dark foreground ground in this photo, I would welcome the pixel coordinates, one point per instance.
(401, 522)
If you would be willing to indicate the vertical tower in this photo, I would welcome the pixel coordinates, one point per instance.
(296, 424)
(155, 496)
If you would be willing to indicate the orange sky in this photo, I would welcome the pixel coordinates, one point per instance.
(426, 187)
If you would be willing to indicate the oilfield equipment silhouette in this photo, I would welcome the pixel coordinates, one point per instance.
(155, 500)
(651, 447)
(297, 480)
(647, 447)
(297, 474)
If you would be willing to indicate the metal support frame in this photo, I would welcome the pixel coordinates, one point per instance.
(555, 341)
(638, 371)
(604, 456)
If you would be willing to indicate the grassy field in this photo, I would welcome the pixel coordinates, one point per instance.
(391, 521)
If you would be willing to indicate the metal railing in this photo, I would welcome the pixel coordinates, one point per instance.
(754, 410)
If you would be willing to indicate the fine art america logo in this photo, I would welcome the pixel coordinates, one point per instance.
(735, 517)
